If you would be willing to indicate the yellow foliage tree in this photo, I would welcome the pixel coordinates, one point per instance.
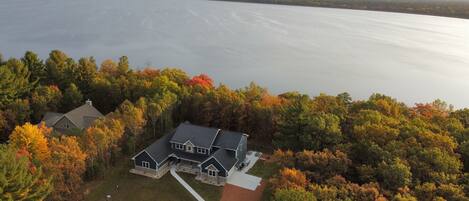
(33, 139)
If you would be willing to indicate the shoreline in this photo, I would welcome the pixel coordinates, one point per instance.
(452, 9)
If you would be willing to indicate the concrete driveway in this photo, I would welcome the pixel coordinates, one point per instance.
(243, 180)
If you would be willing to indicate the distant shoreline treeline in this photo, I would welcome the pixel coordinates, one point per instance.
(457, 9)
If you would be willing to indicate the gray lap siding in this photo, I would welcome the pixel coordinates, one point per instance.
(145, 157)
(215, 163)
(242, 149)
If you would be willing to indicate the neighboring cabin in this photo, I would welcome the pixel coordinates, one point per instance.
(75, 120)
(210, 153)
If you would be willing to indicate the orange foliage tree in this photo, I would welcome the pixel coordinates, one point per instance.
(289, 178)
(201, 80)
(67, 167)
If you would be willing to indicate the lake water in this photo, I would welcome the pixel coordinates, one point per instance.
(411, 57)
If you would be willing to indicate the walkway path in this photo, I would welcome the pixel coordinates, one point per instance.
(183, 183)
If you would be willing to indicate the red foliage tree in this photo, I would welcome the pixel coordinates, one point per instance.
(201, 80)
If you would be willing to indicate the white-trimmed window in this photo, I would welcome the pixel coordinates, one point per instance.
(212, 173)
(201, 151)
(178, 146)
(145, 164)
(189, 148)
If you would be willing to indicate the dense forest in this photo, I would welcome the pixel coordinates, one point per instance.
(447, 8)
(328, 147)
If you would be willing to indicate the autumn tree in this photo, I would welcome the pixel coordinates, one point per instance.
(338, 188)
(176, 75)
(19, 178)
(294, 122)
(299, 127)
(134, 120)
(394, 175)
(100, 142)
(323, 165)
(201, 80)
(159, 111)
(33, 139)
(15, 113)
(284, 158)
(293, 194)
(289, 178)
(67, 168)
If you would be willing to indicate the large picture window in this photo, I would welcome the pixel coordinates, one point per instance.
(145, 164)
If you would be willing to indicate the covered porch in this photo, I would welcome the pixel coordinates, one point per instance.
(187, 166)
(152, 173)
(213, 180)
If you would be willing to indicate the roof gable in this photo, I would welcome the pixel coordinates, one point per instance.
(50, 118)
(222, 157)
(228, 140)
(199, 136)
(159, 150)
(82, 116)
(212, 167)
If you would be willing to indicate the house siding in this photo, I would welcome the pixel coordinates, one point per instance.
(215, 163)
(145, 157)
(62, 124)
(242, 149)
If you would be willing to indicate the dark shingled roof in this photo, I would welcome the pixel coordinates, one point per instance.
(195, 157)
(160, 149)
(81, 116)
(198, 135)
(228, 139)
(51, 117)
(226, 160)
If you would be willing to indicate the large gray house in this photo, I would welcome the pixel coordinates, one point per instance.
(77, 119)
(210, 153)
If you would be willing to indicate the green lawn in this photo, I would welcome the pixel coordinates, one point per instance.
(265, 170)
(136, 188)
(207, 191)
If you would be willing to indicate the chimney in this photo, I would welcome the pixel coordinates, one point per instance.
(88, 102)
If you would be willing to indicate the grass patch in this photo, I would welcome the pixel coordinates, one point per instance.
(207, 191)
(135, 188)
(264, 169)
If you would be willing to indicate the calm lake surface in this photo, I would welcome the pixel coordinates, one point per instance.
(411, 57)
